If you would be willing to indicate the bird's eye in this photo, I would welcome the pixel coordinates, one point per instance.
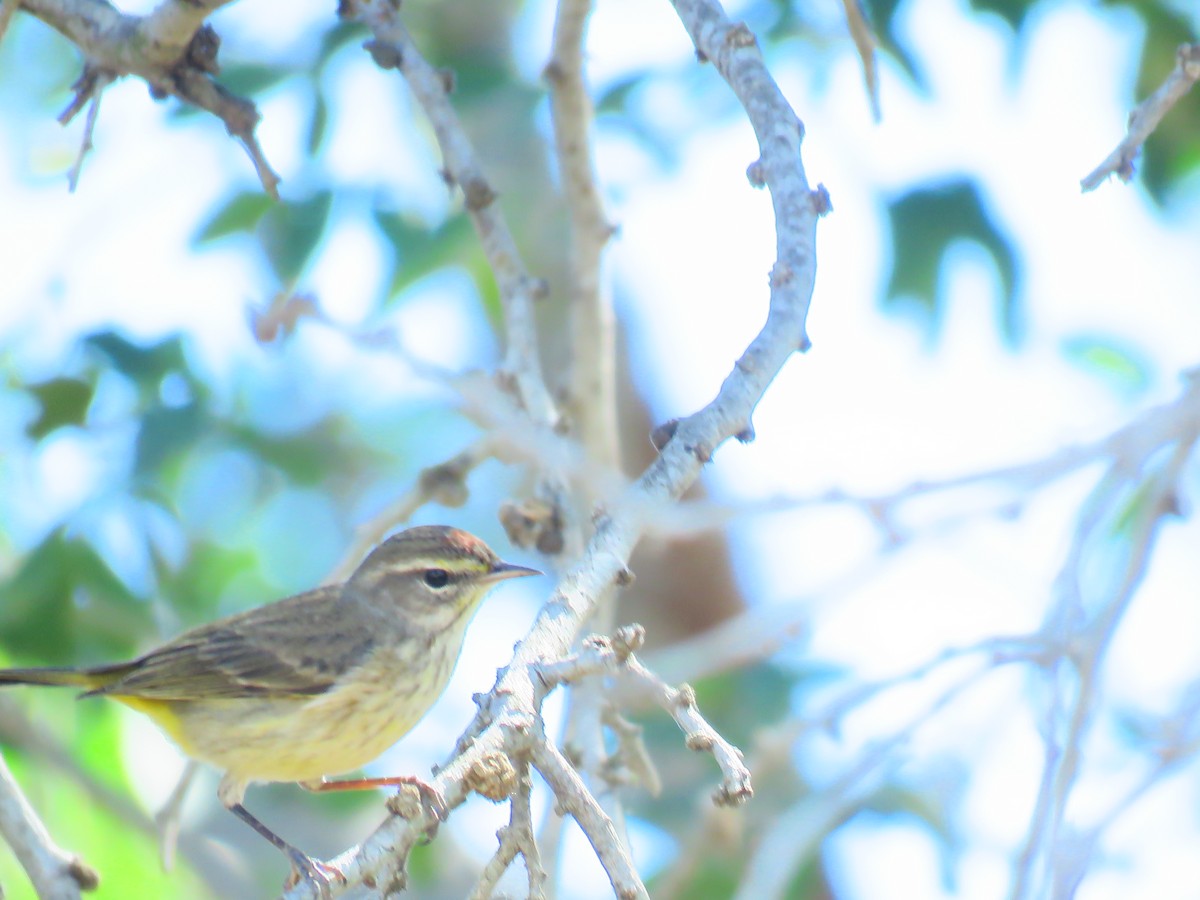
(437, 578)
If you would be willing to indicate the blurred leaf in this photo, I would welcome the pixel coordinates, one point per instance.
(337, 37)
(881, 14)
(925, 222)
(489, 291)
(423, 867)
(1134, 509)
(319, 124)
(421, 250)
(1120, 365)
(290, 232)
(615, 98)
(146, 366)
(479, 76)
(742, 700)
(200, 583)
(41, 618)
(305, 457)
(97, 742)
(63, 401)
(166, 432)
(248, 79)
(786, 21)
(894, 799)
(716, 877)
(240, 213)
(1011, 11)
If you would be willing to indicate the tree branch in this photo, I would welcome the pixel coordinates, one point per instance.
(508, 718)
(1145, 118)
(572, 796)
(55, 873)
(593, 329)
(171, 49)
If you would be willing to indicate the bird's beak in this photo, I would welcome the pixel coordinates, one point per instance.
(505, 570)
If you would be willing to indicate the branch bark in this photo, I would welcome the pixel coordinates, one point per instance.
(1145, 118)
(508, 719)
(56, 874)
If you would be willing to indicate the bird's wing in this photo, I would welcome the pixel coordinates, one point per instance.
(294, 647)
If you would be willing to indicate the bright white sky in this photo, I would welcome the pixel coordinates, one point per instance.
(870, 408)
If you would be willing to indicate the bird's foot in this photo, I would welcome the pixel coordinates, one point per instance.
(313, 872)
(432, 805)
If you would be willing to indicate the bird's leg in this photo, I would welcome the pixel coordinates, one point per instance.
(431, 798)
(319, 874)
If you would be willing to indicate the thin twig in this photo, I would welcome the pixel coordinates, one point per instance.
(865, 44)
(573, 797)
(1086, 635)
(602, 656)
(393, 47)
(1124, 449)
(166, 820)
(95, 91)
(516, 838)
(171, 49)
(1145, 118)
(795, 835)
(444, 483)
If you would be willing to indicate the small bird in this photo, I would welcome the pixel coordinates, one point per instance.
(313, 685)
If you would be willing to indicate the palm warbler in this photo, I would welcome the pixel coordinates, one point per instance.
(316, 684)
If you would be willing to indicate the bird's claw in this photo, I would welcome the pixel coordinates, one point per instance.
(311, 871)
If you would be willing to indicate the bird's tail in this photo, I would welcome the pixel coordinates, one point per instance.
(63, 675)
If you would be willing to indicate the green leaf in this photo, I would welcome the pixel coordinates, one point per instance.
(198, 585)
(146, 366)
(166, 433)
(925, 222)
(615, 98)
(248, 79)
(1011, 11)
(881, 14)
(305, 457)
(63, 401)
(290, 232)
(421, 250)
(1121, 366)
(337, 37)
(63, 597)
(319, 124)
(240, 213)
